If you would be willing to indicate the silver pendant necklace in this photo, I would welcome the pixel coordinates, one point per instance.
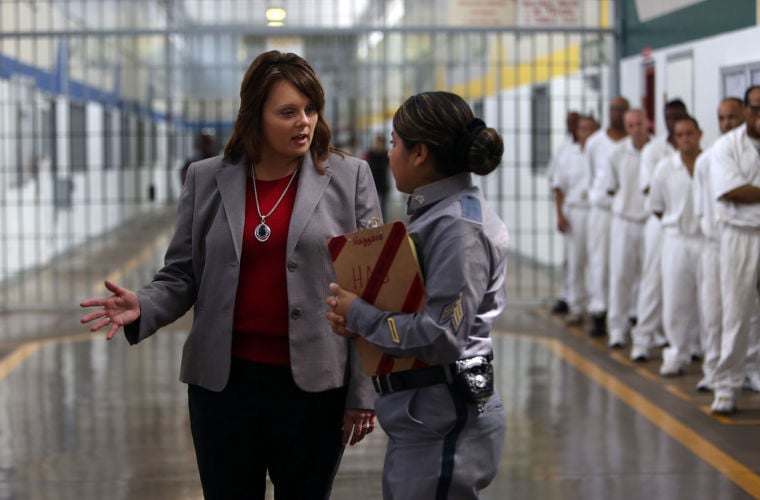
(262, 231)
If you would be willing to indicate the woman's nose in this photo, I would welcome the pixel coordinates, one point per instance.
(303, 117)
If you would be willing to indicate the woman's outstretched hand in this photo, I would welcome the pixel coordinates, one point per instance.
(121, 308)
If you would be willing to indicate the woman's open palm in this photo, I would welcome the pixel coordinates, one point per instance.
(121, 308)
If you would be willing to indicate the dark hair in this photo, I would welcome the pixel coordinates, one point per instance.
(675, 104)
(445, 123)
(748, 92)
(689, 118)
(264, 71)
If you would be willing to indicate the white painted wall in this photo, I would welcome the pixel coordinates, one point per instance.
(709, 56)
(33, 229)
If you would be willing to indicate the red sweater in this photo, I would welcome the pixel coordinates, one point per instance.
(260, 325)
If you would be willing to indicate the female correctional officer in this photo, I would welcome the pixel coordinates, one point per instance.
(445, 423)
(270, 389)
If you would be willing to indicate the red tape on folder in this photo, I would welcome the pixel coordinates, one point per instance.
(383, 265)
(379, 265)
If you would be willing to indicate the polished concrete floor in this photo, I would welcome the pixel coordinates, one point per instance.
(82, 418)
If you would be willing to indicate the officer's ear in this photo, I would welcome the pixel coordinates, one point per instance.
(420, 154)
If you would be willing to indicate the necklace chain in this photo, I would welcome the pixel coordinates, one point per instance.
(263, 231)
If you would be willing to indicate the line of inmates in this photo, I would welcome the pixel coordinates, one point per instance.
(662, 239)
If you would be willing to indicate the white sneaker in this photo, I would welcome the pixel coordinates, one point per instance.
(704, 385)
(659, 340)
(617, 340)
(723, 404)
(752, 382)
(640, 353)
(671, 368)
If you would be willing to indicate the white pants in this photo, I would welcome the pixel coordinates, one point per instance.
(564, 292)
(649, 301)
(626, 259)
(598, 255)
(680, 317)
(710, 306)
(739, 285)
(575, 256)
(753, 351)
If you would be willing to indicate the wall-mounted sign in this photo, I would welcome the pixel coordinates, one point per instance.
(481, 12)
(549, 12)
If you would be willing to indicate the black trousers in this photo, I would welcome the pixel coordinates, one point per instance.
(262, 422)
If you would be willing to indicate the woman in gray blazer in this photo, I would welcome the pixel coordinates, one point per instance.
(270, 388)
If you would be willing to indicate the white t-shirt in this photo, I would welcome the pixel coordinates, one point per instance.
(623, 178)
(737, 163)
(654, 151)
(571, 176)
(670, 192)
(708, 210)
(599, 147)
(553, 162)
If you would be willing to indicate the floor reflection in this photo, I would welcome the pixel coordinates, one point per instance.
(90, 419)
(95, 419)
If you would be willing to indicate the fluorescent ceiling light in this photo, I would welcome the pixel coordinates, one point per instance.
(276, 15)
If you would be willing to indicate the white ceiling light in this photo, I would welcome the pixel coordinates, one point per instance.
(276, 16)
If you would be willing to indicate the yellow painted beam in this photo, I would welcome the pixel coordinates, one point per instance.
(500, 76)
(604, 13)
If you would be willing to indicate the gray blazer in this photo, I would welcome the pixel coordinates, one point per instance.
(202, 264)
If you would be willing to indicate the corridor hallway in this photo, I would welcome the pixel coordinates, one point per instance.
(86, 419)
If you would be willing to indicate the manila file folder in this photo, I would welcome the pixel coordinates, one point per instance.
(380, 265)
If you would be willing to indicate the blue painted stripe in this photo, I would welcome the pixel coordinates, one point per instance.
(55, 82)
(44, 80)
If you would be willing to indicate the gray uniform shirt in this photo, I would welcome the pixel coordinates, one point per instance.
(462, 247)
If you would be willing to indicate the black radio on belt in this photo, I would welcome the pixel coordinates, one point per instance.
(474, 377)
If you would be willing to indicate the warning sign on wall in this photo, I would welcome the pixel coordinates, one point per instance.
(549, 12)
(481, 12)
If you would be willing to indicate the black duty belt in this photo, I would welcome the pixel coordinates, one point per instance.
(413, 379)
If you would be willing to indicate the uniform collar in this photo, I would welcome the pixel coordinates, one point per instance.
(430, 193)
(630, 147)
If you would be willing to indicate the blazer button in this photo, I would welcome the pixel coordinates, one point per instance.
(292, 265)
(296, 313)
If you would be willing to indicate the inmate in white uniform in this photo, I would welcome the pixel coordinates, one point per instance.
(551, 171)
(626, 238)
(708, 212)
(712, 214)
(439, 445)
(599, 147)
(572, 175)
(671, 194)
(649, 302)
(737, 163)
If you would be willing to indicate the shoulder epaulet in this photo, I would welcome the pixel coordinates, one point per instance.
(471, 209)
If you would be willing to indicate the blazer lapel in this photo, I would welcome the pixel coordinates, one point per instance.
(311, 188)
(231, 181)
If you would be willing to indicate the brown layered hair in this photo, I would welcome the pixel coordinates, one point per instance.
(264, 71)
